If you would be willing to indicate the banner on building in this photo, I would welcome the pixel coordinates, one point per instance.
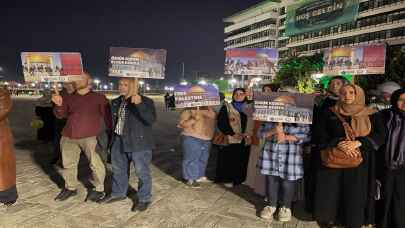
(356, 60)
(283, 107)
(187, 96)
(251, 61)
(51, 66)
(314, 15)
(137, 63)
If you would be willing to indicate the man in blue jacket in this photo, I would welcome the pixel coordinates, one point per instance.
(133, 117)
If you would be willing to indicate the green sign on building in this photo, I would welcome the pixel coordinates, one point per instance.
(313, 15)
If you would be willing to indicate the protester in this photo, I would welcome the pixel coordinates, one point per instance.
(167, 101)
(133, 117)
(84, 111)
(198, 127)
(254, 179)
(233, 158)
(8, 190)
(281, 162)
(341, 194)
(393, 178)
(44, 111)
(332, 93)
(385, 91)
(68, 88)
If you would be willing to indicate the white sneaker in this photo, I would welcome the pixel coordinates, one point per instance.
(268, 212)
(228, 185)
(284, 214)
(203, 180)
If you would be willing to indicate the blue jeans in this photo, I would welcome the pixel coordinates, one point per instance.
(195, 157)
(280, 192)
(120, 161)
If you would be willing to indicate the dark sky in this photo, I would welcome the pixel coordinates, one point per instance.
(190, 30)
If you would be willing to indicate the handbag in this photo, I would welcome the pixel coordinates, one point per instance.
(337, 158)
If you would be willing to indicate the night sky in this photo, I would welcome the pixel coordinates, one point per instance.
(191, 31)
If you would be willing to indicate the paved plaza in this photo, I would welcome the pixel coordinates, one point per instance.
(174, 205)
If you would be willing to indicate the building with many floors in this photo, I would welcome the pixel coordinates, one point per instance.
(263, 25)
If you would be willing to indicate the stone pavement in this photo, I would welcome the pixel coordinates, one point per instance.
(174, 205)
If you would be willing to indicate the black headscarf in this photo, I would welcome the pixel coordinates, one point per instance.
(395, 147)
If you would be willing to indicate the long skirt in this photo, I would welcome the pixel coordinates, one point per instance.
(393, 198)
(232, 164)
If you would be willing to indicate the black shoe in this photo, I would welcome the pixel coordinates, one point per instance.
(140, 206)
(65, 194)
(95, 196)
(10, 203)
(111, 199)
(193, 184)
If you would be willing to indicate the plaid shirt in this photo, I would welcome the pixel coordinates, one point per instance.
(284, 160)
(122, 116)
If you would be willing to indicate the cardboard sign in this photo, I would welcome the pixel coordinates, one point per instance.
(51, 66)
(137, 63)
(283, 107)
(187, 96)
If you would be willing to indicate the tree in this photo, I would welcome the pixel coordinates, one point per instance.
(297, 72)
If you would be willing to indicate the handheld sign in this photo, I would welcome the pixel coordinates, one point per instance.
(137, 63)
(283, 107)
(188, 96)
(51, 66)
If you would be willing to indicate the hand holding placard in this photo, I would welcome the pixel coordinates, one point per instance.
(135, 98)
(56, 97)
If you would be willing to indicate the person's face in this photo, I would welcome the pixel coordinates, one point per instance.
(386, 96)
(123, 87)
(335, 86)
(239, 96)
(267, 89)
(69, 87)
(401, 102)
(347, 95)
(83, 83)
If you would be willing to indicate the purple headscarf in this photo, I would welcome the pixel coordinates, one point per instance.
(395, 146)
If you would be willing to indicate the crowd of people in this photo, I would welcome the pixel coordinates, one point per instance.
(350, 161)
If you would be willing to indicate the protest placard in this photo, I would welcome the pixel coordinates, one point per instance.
(137, 63)
(51, 66)
(187, 96)
(283, 107)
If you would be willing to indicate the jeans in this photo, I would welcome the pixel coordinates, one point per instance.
(276, 187)
(120, 161)
(71, 150)
(195, 157)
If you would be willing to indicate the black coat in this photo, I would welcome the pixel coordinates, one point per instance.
(137, 135)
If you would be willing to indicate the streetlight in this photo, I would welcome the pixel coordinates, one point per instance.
(105, 87)
(202, 82)
(184, 83)
(112, 85)
(97, 82)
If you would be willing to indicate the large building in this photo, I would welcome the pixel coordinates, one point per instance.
(263, 25)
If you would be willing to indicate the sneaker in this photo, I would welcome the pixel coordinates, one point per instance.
(65, 194)
(111, 199)
(94, 196)
(193, 184)
(268, 212)
(228, 185)
(140, 206)
(203, 180)
(284, 215)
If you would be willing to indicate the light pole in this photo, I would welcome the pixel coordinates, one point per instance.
(97, 82)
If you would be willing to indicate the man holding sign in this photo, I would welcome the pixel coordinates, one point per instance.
(84, 111)
(133, 117)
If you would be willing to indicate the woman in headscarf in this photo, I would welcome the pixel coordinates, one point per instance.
(393, 178)
(8, 191)
(44, 111)
(233, 158)
(341, 194)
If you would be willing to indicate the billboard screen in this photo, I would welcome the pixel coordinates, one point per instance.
(356, 60)
(314, 15)
(251, 61)
(137, 63)
(51, 66)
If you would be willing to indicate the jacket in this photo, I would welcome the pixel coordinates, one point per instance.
(198, 123)
(7, 156)
(137, 133)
